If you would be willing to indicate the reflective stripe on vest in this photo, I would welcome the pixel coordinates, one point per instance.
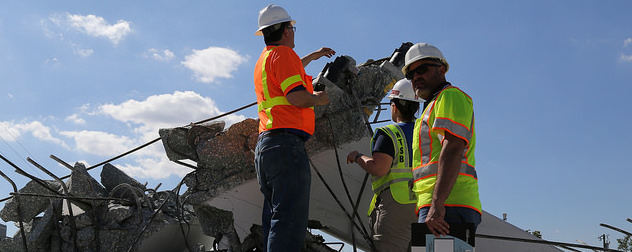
(399, 178)
(267, 104)
(427, 145)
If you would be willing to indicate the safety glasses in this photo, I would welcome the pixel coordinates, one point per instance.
(421, 69)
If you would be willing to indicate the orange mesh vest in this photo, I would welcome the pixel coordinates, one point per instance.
(278, 71)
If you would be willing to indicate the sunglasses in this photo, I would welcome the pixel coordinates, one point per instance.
(421, 69)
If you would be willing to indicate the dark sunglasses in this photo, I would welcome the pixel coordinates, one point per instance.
(421, 69)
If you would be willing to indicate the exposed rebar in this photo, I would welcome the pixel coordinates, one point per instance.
(68, 197)
(71, 218)
(139, 205)
(17, 202)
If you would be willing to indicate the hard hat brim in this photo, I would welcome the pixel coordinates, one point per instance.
(260, 31)
(418, 58)
(403, 98)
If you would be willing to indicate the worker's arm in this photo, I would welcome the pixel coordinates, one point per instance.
(317, 54)
(304, 99)
(449, 167)
(378, 165)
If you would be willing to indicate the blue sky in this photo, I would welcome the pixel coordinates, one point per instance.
(88, 80)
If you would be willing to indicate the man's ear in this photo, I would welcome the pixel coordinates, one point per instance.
(442, 69)
(285, 32)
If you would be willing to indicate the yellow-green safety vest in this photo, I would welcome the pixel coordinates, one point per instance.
(451, 110)
(400, 176)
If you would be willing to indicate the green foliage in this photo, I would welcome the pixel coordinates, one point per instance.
(535, 233)
(625, 244)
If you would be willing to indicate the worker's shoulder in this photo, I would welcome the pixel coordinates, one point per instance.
(284, 53)
(454, 91)
(281, 49)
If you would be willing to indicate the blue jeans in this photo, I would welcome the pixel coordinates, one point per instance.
(284, 179)
(454, 215)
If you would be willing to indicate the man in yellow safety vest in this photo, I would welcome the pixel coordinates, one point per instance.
(444, 139)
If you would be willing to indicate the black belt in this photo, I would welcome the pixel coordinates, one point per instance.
(274, 132)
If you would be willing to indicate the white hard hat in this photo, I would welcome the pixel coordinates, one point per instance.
(271, 15)
(403, 89)
(421, 51)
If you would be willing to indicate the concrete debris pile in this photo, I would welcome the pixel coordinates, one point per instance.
(225, 159)
(122, 214)
(115, 215)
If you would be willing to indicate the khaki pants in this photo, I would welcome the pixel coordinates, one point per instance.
(390, 223)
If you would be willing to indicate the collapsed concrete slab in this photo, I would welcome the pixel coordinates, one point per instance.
(30, 206)
(219, 224)
(104, 224)
(120, 185)
(225, 159)
(121, 214)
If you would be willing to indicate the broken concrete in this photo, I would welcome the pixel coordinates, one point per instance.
(120, 214)
(103, 225)
(219, 224)
(225, 158)
(31, 206)
(120, 185)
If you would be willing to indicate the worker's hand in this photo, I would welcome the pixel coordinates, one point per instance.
(325, 51)
(435, 220)
(322, 98)
(351, 157)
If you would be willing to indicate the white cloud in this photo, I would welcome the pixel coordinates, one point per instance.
(164, 55)
(12, 131)
(100, 143)
(83, 52)
(10, 96)
(9, 131)
(144, 118)
(148, 116)
(166, 111)
(53, 62)
(97, 26)
(160, 168)
(74, 118)
(212, 63)
(625, 58)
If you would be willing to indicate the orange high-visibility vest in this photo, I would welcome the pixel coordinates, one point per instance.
(451, 110)
(278, 71)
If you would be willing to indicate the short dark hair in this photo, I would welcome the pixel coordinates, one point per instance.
(408, 109)
(274, 33)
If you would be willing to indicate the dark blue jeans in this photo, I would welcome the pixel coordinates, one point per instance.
(284, 179)
(454, 215)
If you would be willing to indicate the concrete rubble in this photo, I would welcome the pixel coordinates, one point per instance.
(120, 214)
(106, 218)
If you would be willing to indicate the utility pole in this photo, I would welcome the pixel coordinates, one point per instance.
(604, 238)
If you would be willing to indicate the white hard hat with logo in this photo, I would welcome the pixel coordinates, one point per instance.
(403, 89)
(271, 15)
(423, 51)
